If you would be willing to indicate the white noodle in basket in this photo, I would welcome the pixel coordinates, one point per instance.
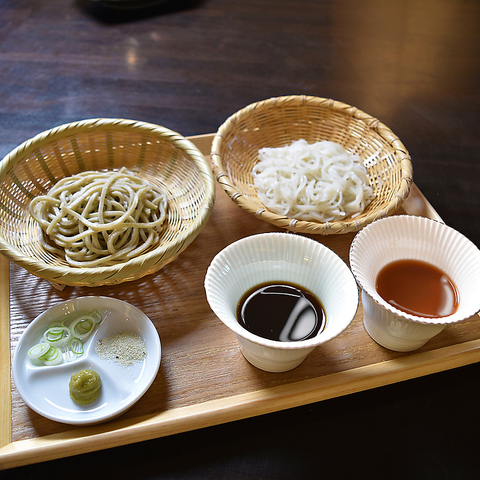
(313, 182)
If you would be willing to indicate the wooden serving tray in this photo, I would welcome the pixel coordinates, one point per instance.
(203, 378)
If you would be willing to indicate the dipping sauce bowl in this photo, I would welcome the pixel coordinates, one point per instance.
(404, 237)
(287, 258)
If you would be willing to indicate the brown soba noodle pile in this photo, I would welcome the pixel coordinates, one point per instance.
(97, 219)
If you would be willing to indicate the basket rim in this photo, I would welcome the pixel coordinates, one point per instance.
(303, 226)
(78, 276)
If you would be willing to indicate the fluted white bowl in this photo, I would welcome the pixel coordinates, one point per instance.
(286, 257)
(418, 238)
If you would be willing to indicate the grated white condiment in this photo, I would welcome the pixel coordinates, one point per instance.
(125, 348)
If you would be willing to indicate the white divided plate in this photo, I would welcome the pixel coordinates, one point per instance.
(45, 388)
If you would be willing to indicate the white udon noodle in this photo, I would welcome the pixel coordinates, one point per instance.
(97, 219)
(314, 182)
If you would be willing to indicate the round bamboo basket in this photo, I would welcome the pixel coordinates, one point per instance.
(153, 152)
(277, 122)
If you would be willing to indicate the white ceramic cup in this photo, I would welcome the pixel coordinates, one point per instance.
(286, 257)
(410, 237)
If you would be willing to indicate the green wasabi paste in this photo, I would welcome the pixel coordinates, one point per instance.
(84, 386)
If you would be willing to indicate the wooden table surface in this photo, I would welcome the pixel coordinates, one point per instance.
(188, 65)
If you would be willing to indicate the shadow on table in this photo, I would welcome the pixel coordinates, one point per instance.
(127, 11)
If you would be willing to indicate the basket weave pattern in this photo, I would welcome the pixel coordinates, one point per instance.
(153, 152)
(277, 122)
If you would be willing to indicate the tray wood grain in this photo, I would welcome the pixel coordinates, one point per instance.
(203, 378)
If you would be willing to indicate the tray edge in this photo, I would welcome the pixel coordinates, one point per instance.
(216, 412)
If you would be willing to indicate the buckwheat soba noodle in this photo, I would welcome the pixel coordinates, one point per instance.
(95, 219)
(314, 182)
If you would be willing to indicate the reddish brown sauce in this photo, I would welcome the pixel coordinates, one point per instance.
(418, 288)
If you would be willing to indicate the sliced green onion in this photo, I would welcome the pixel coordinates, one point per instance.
(55, 324)
(82, 327)
(67, 319)
(52, 357)
(76, 346)
(97, 317)
(62, 342)
(57, 336)
(38, 350)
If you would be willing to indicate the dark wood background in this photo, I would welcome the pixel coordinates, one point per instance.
(188, 65)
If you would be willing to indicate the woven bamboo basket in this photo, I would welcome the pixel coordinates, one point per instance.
(277, 122)
(153, 152)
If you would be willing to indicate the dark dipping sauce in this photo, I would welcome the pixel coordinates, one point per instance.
(281, 311)
(418, 288)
